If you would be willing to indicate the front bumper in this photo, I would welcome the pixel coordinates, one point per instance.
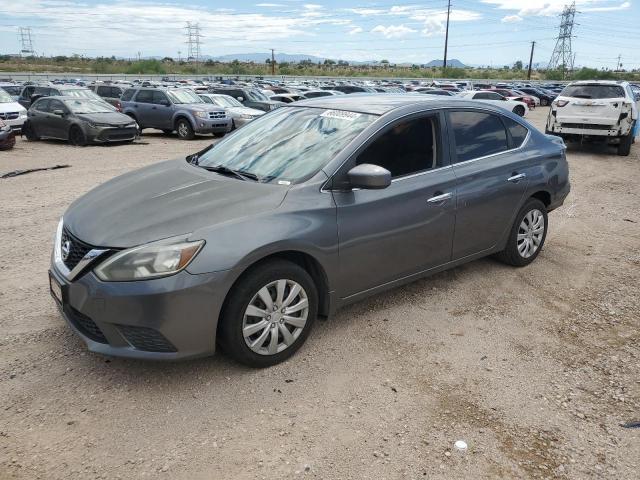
(112, 134)
(168, 318)
(212, 125)
(241, 122)
(15, 123)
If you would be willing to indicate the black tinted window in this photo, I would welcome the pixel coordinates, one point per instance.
(593, 91)
(42, 105)
(104, 91)
(56, 105)
(408, 147)
(477, 134)
(518, 132)
(159, 98)
(127, 95)
(28, 91)
(145, 96)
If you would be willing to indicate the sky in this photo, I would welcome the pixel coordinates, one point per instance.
(481, 32)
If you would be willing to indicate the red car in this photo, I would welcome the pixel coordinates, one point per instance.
(7, 137)
(511, 95)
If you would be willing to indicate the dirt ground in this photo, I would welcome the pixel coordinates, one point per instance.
(535, 368)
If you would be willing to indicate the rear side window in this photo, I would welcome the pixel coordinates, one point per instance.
(103, 91)
(145, 96)
(477, 135)
(518, 132)
(127, 95)
(593, 91)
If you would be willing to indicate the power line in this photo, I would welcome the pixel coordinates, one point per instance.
(562, 56)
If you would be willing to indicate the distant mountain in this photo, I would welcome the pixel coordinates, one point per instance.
(453, 63)
(261, 57)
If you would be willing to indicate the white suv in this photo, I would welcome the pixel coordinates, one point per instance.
(602, 109)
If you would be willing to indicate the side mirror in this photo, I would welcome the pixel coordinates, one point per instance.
(369, 177)
(59, 113)
(240, 99)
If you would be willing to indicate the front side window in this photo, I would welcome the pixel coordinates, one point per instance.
(42, 105)
(593, 91)
(159, 98)
(56, 105)
(127, 95)
(477, 134)
(289, 144)
(406, 148)
(144, 96)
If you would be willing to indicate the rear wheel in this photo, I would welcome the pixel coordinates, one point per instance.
(544, 102)
(527, 235)
(269, 314)
(519, 110)
(624, 147)
(77, 136)
(184, 129)
(30, 132)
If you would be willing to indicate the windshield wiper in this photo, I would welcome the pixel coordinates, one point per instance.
(230, 171)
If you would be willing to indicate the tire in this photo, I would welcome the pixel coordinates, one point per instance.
(266, 278)
(184, 129)
(233, 125)
(624, 147)
(167, 131)
(30, 132)
(77, 136)
(514, 253)
(519, 110)
(544, 102)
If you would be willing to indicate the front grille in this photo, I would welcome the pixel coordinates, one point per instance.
(217, 115)
(587, 126)
(147, 339)
(77, 249)
(9, 115)
(85, 325)
(121, 134)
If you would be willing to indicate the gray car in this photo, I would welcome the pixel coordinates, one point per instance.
(306, 209)
(240, 115)
(174, 109)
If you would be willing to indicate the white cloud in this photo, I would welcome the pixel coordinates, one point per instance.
(270, 5)
(313, 6)
(511, 19)
(355, 30)
(393, 31)
(613, 8)
(527, 8)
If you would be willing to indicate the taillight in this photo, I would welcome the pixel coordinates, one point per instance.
(118, 106)
(561, 103)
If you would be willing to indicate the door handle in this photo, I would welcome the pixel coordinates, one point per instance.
(440, 198)
(517, 177)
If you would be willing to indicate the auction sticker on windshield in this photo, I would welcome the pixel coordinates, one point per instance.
(341, 114)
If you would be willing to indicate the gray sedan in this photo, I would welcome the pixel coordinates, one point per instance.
(239, 114)
(306, 209)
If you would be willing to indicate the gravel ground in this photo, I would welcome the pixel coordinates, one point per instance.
(534, 368)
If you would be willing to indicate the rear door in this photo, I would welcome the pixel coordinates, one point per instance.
(491, 176)
(142, 104)
(407, 227)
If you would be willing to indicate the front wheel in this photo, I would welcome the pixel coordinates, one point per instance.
(77, 136)
(269, 314)
(30, 132)
(185, 130)
(527, 235)
(519, 110)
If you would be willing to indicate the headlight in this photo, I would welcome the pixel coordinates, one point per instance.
(98, 125)
(131, 125)
(246, 116)
(202, 114)
(154, 260)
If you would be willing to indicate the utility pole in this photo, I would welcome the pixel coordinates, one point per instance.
(533, 45)
(619, 64)
(179, 59)
(446, 37)
(273, 62)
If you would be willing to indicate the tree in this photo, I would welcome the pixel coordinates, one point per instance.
(517, 65)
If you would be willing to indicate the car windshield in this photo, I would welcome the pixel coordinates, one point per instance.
(257, 96)
(226, 101)
(81, 106)
(80, 93)
(5, 97)
(593, 91)
(289, 144)
(184, 96)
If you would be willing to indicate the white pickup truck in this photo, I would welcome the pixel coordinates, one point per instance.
(602, 109)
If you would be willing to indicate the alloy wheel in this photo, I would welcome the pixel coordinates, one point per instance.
(275, 317)
(530, 233)
(183, 129)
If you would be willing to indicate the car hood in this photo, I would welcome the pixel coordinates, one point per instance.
(12, 107)
(165, 200)
(112, 118)
(245, 111)
(202, 107)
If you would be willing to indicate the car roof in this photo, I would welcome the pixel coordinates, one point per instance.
(598, 82)
(381, 103)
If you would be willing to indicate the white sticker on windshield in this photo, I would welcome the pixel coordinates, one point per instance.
(341, 114)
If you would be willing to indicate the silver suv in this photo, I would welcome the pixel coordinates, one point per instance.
(174, 109)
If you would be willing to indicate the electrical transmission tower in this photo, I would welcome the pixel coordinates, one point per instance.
(26, 42)
(193, 42)
(562, 56)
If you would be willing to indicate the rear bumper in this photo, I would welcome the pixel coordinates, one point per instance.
(163, 319)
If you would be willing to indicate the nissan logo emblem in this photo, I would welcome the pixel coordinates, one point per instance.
(66, 249)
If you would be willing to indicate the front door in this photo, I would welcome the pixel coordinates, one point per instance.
(492, 177)
(406, 228)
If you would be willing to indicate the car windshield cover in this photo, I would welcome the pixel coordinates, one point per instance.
(593, 91)
(88, 106)
(184, 96)
(257, 96)
(80, 93)
(288, 145)
(226, 102)
(5, 97)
